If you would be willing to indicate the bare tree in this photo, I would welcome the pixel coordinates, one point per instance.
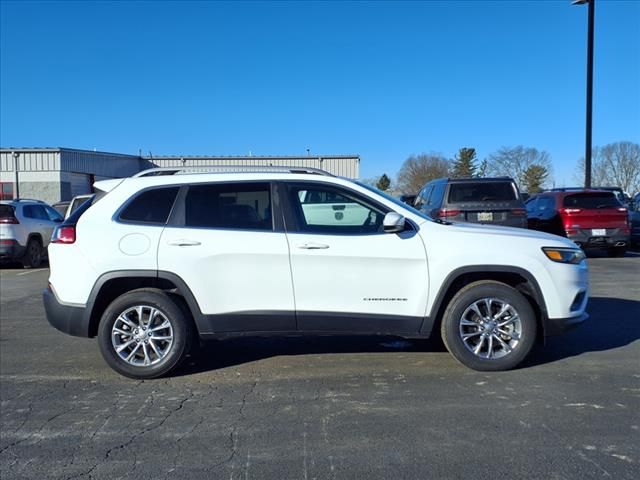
(598, 172)
(614, 165)
(420, 169)
(515, 161)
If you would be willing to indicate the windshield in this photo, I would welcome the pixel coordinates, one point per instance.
(394, 200)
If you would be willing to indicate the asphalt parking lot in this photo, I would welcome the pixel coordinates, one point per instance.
(323, 407)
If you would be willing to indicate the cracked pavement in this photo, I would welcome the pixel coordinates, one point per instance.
(324, 407)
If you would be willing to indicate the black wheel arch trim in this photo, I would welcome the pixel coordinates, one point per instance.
(91, 318)
(479, 269)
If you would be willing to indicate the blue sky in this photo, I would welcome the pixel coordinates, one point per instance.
(383, 80)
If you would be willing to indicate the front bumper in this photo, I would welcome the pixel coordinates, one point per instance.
(68, 319)
(558, 326)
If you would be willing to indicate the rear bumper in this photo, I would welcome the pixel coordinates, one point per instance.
(586, 240)
(68, 319)
(11, 252)
(558, 326)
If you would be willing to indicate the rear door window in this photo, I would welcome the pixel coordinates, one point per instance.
(482, 192)
(437, 194)
(231, 205)
(590, 200)
(546, 203)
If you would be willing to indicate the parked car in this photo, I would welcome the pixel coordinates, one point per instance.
(408, 198)
(161, 260)
(622, 197)
(61, 207)
(67, 208)
(25, 230)
(591, 218)
(494, 201)
(634, 220)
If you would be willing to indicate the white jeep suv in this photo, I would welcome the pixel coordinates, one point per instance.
(168, 256)
(25, 230)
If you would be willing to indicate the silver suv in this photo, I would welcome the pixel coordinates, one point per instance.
(25, 230)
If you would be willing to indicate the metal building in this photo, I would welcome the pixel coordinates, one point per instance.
(341, 165)
(55, 174)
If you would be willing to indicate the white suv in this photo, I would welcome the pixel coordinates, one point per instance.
(25, 230)
(169, 255)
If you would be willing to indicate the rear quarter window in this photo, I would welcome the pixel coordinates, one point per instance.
(482, 192)
(589, 200)
(151, 206)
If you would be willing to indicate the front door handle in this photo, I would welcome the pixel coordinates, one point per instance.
(183, 243)
(313, 246)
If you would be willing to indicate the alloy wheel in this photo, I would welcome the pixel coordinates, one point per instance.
(490, 328)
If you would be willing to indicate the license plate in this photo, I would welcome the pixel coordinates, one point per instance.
(485, 216)
(599, 232)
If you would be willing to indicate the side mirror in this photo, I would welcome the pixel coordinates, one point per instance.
(393, 223)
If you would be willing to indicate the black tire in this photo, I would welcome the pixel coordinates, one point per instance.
(181, 329)
(617, 251)
(504, 358)
(33, 255)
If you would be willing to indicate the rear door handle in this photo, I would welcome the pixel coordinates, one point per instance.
(313, 246)
(183, 243)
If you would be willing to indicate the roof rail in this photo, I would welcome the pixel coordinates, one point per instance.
(151, 172)
(577, 189)
(27, 200)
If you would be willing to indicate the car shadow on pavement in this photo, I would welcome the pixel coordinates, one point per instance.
(217, 354)
(613, 323)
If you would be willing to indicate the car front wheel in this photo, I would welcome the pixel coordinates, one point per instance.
(144, 334)
(489, 326)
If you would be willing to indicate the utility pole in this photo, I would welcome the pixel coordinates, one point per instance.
(587, 153)
(16, 156)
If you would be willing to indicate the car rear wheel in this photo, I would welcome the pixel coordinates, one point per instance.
(144, 334)
(33, 255)
(489, 326)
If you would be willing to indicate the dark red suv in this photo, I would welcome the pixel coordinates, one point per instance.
(591, 218)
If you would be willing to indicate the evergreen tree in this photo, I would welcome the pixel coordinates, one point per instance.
(383, 183)
(534, 178)
(464, 165)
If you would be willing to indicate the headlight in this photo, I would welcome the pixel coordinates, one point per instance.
(564, 255)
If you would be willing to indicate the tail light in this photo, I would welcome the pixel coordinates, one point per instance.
(447, 212)
(518, 211)
(12, 220)
(64, 234)
(8, 242)
(569, 211)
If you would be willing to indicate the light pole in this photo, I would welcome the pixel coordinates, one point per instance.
(587, 153)
(16, 157)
